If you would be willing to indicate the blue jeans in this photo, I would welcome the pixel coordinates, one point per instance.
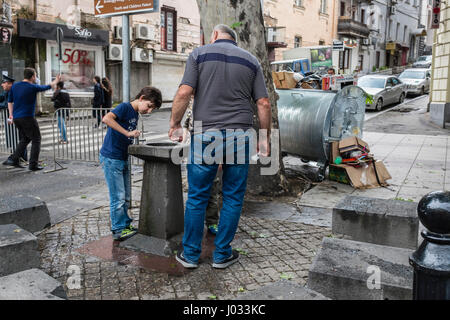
(117, 177)
(62, 127)
(200, 179)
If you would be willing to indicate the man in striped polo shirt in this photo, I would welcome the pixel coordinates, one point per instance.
(226, 81)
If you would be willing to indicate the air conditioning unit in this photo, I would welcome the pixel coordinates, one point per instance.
(115, 52)
(118, 33)
(144, 32)
(393, 10)
(142, 55)
(366, 42)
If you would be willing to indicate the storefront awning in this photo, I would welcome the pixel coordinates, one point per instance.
(43, 30)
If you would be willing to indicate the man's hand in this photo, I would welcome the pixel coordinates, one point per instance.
(10, 120)
(134, 134)
(176, 133)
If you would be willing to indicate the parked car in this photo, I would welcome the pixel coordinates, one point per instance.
(385, 90)
(423, 62)
(417, 80)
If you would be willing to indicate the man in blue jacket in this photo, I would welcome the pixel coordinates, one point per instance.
(22, 107)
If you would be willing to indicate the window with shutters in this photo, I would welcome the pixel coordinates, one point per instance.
(168, 28)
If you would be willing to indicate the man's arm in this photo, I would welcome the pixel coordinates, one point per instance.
(10, 108)
(265, 122)
(179, 106)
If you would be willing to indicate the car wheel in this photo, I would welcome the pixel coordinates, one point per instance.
(422, 91)
(379, 105)
(402, 98)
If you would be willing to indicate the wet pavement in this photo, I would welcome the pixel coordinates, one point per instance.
(270, 248)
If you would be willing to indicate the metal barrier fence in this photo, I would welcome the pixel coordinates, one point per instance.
(78, 134)
(9, 135)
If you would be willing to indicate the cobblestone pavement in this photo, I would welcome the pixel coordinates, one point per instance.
(271, 250)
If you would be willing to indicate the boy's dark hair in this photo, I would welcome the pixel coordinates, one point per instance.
(28, 73)
(97, 78)
(151, 94)
(60, 84)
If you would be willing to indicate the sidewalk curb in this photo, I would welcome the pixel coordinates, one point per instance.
(396, 107)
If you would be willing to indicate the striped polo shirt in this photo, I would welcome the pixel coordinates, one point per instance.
(227, 81)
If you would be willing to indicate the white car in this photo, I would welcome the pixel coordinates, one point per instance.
(417, 80)
(423, 62)
(384, 89)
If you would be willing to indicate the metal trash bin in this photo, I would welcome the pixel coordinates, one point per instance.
(310, 120)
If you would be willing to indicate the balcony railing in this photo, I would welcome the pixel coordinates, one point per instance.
(349, 27)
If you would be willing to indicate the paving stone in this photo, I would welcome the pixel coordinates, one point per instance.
(18, 250)
(32, 284)
(343, 271)
(29, 213)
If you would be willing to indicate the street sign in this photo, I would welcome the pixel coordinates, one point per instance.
(338, 45)
(390, 46)
(107, 8)
(436, 14)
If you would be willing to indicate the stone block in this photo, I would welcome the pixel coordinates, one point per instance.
(18, 250)
(379, 221)
(282, 290)
(32, 284)
(27, 212)
(350, 270)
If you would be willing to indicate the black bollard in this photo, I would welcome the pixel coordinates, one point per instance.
(431, 262)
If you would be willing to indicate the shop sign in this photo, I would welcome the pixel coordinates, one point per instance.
(436, 14)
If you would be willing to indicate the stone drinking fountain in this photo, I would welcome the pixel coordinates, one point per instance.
(161, 218)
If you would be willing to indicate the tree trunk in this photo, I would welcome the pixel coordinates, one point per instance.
(247, 18)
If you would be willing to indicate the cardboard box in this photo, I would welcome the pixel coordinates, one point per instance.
(364, 177)
(284, 80)
(353, 144)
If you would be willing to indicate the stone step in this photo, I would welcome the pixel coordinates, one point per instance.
(380, 221)
(29, 213)
(18, 250)
(32, 284)
(351, 270)
(282, 290)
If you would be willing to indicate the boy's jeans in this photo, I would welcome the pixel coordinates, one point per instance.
(117, 177)
(200, 180)
(62, 127)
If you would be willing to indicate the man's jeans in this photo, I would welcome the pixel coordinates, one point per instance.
(117, 177)
(200, 179)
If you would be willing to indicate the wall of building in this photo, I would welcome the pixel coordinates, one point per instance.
(305, 21)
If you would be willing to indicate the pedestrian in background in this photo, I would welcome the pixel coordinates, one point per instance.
(225, 80)
(61, 100)
(98, 101)
(122, 123)
(22, 108)
(107, 94)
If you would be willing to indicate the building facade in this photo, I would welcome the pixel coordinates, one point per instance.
(298, 23)
(160, 45)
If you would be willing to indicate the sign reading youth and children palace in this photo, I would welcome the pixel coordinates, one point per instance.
(107, 8)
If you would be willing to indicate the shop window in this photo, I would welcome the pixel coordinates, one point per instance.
(168, 28)
(78, 67)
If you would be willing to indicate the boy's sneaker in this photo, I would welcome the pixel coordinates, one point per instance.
(123, 235)
(213, 229)
(181, 259)
(227, 262)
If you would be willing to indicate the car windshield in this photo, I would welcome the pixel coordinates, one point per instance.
(412, 75)
(424, 58)
(371, 83)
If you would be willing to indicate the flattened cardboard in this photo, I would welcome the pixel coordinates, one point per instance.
(365, 177)
(353, 143)
(284, 80)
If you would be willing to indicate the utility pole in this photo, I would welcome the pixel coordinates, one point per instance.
(388, 15)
